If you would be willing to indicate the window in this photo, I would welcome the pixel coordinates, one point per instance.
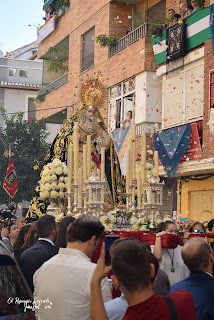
(157, 13)
(23, 73)
(12, 286)
(122, 100)
(183, 95)
(88, 49)
(12, 72)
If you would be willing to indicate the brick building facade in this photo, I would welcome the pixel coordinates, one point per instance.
(132, 58)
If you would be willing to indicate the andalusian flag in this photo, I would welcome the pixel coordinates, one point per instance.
(197, 32)
(10, 184)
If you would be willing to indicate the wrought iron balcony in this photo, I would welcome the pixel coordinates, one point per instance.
(131, 38)
(54, 85)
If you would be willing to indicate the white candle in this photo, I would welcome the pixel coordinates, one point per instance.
(76, 150)
(128, 170)
(98, 173)
(143, 157)
(88, 156)
(143, 141)
(84, 163)
(143, 166)
(130, 163)
(156, 164)
(80, 187)
(133, 150)
(102, 164)
(70, 165)
(138, 188)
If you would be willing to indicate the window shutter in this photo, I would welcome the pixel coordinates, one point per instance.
(173, 100)
(194, 92)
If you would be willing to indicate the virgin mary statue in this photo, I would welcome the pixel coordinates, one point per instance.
(90, 123)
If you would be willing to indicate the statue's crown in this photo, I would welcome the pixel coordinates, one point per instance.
(92, 92)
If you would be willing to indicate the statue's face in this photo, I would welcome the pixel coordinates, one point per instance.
(89, 114)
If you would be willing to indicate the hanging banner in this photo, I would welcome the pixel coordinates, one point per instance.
(194, 151)
(171, 145)
(175, 41)
(10, 184)
(118, 136)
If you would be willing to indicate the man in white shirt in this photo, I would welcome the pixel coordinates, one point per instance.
(65, 279)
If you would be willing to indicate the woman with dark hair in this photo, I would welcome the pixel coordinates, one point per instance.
(170, 259)
(32, 237)
(197, 227)
(210, 226)
(18, 247)
(61, 240)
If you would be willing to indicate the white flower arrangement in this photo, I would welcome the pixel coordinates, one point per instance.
(110, 221)
(54, 181)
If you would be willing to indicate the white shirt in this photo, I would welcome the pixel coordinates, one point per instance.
(180, 269)
(65, 280)
(48, 240)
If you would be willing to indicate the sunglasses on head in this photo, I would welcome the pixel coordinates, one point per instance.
(198, 231)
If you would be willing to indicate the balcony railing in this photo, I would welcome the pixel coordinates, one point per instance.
(131, 38)
(54, 85)
(149, 127)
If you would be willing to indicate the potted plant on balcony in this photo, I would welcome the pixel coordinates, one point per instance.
(61, 6)
(105, 41)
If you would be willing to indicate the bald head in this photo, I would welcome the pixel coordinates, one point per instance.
(196, 254)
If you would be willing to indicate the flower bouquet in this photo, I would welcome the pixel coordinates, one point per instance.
(54, 182)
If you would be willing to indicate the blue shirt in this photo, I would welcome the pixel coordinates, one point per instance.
(116, 308)
(201, 287)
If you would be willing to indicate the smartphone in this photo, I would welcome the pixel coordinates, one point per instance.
(109, 240)
(6, 222)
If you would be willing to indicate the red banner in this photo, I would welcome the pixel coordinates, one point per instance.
(10, 184)
(194, 151)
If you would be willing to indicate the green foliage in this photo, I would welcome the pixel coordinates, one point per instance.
(105, 41)
(199, 3)
(62, 3)
(28, 143)
(41, 97)
(58, 62)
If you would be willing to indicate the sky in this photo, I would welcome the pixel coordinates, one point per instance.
(18, 23)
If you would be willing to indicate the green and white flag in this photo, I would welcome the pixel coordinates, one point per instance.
(197, 32)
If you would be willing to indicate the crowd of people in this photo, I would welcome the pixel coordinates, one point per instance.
(185, 10)
(127, 122)
(49, 13)
(155, 282)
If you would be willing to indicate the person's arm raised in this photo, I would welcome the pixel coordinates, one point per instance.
(97, 305)
(158, 247)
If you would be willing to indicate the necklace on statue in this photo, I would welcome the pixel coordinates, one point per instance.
(172, 260)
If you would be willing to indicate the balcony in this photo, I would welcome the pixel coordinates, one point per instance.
(131, 37)
(54, 85)
(149, 127)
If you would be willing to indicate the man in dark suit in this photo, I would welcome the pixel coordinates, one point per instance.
(198, 256)
(44, 249)
(117, 121)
